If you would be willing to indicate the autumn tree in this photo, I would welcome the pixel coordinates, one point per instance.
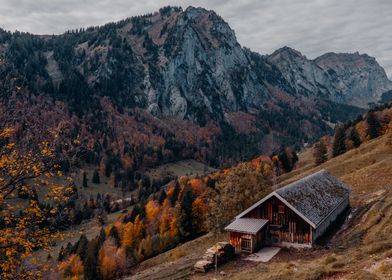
(133, 233)
(72, 267)
(152, 210)
(112, 260)
(199, 211)
(238, 188)
(320, 153)
(26, 226)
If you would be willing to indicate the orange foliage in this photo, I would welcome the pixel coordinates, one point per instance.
(132, 233)
(73, 266)
(199, 211)
(112, 260)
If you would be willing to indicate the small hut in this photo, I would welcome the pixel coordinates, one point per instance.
(293, 216)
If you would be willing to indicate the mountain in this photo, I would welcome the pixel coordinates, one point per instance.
(175, 84)
(352, 79)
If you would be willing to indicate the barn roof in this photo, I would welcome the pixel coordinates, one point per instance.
(247, 225)
(313, 198)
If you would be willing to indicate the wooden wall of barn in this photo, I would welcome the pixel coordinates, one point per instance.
(284, 224)
(321, 229)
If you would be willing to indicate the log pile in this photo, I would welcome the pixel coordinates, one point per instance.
(222, 251)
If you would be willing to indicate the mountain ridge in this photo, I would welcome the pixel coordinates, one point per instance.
(180, 67)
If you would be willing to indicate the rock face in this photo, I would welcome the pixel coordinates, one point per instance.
(352, 79)
(359, 79)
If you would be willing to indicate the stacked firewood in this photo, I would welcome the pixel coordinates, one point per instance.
(221, 252)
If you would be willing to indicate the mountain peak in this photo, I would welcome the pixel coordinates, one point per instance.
(287, 51)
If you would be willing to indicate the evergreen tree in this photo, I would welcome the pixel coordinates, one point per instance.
(96, 179)
(68, 250)
(82, 247)
(184, 214)
(354, 137)
(373, 125)
(288, 158)
(320, 153)
(91, 261)
(339, 145)
(61, 256)
(175, 193)
(116, 237)
(101, 237)
(162, 196)
(85, 180)
(108, 168)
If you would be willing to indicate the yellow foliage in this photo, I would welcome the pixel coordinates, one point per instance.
(24, 172)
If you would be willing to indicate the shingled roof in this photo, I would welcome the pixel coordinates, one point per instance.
(313, 198)
(247, 225)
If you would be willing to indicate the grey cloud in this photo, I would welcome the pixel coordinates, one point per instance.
(310, 26)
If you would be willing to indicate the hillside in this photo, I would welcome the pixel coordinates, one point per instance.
(361, 250)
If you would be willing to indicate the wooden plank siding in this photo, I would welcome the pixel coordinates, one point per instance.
(284, 224)
(257, 240)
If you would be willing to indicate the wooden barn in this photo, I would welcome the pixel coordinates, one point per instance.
(295, 215)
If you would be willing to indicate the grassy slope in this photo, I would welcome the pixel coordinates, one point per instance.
(180, 168)
(362, 249)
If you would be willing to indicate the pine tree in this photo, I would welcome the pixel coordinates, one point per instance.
(354, 137)
(85, 185)
(91, 261)
(96, 179)
(320, 153)
(82, 247)
(61, 256)
(175, 193)
(114, 234)
(373, 125)
(184, 214)
(68, 250)
(108, 168)
(162, 196)
(339, 145)
(101, 237)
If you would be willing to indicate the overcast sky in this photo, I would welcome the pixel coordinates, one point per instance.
(310, 26)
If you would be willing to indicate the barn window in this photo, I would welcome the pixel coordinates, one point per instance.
(281, 209)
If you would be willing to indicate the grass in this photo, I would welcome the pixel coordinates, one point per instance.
(188, 167)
